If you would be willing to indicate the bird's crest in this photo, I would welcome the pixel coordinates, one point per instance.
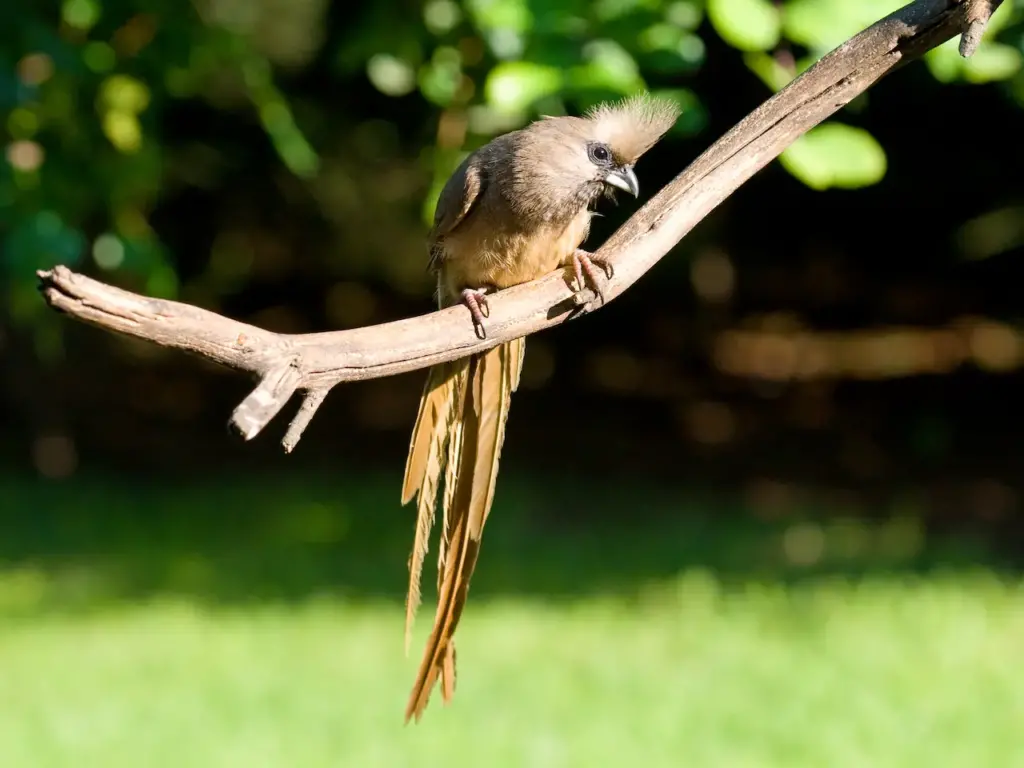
(634, 125)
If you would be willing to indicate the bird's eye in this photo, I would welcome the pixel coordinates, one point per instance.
(599, 154)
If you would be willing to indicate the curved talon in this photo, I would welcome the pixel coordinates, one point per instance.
(476, 301)
(584, 264)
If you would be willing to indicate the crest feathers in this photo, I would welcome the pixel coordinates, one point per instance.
(634, 125)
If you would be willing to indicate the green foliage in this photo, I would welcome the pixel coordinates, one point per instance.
(991, 62)
(821, 25)
(835, 155)
(512, 86)
(749, 25)
(85, 158)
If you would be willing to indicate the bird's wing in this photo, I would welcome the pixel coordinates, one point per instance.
(458, 197)
(493, 376)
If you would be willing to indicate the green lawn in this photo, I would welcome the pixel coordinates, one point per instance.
(104, 662)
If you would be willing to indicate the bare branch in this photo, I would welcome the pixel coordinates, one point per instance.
(310, 403)
(315, 362)
(976, 16)
(263, 403)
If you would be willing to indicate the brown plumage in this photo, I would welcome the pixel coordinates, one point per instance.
(516, 209)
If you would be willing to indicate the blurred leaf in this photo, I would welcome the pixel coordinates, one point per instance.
(768, 70)
(124, 94)
(992, 233)
(124, 130)
(506, 43)
(108, 251)
(749, 25)
(81, 14)
(992, 61)
(513, 86)
(439, 80)
(822, 26)
(121, 99)
(99, 56)
(835, 155)
(441, 16)
(686, 14)
(608, 66)
(511, 15)
(944, 62)
(659, 37)
(391, 75)
(22, 123)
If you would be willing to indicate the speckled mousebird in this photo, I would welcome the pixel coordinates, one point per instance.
(516, 209)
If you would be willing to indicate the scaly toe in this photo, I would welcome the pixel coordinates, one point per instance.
(585, 269)
(476, 301)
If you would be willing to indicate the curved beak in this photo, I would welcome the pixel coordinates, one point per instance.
(624, 179)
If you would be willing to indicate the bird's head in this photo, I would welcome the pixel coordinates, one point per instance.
(617, 135)
(573, 161)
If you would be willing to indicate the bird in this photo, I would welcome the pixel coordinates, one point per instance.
(514, 210)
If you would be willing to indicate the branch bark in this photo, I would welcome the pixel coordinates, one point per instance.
(976, 17)
(315, 362)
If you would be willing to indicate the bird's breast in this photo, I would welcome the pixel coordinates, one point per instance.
(477, 255)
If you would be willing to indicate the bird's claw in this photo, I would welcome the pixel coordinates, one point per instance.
(585, 266)
(475, 300)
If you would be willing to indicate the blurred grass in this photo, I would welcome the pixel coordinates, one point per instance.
(151, 622)
(250, 538)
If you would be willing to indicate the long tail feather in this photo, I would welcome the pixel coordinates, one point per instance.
(438, 414)
(474, 451)
(451, 472)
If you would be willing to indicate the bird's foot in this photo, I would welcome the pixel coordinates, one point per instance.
(584, 266)
(475, 300)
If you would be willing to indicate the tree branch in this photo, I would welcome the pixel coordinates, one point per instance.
(315, 362)
(976, 16)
